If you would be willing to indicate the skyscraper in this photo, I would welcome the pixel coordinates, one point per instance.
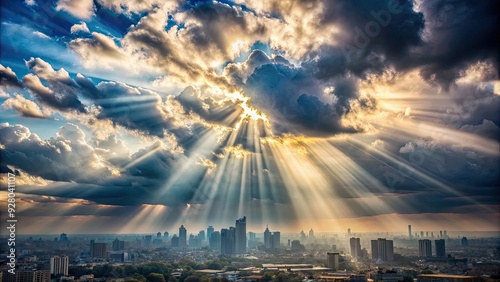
(465, 242)
(409, 231)
(267, 238)
(175, 241)
(210, 230)
(118, 245)
(349, 231)
(227, 241)
(355, 247)
(276, 240)
(425, 248)
(311, 234)
(382, 249)
(440, 248)
(214, 241)
(59, 265)
(332, 260)
(241, 235)
(98, 250)
(182, 236)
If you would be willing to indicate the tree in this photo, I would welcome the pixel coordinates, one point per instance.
(192, 278)
(155, 277)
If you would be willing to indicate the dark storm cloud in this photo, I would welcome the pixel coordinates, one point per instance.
(294, 98)
(460, 33)
(8, 78)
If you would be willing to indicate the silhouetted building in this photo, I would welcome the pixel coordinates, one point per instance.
(165, 235)
(210, 230)
(118, 245)
(241, 235)
(355, 247)
(382, 249)
(311, 234)
(276, 240)
(267, 238)
(182, 236)
(59, 265)
(227, 241)
(332, 260)
(297, 246)
(214, 242)
(98, 250)
(465, 242)
(425, 248)
(174, 243)
(409, 231)
(440, 248)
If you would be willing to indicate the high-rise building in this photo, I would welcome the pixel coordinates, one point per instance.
(409, 231)
(165, 235)
(311, 234)
(440, 248)
(63, 237)
(59, 265)
(355, 247)
(332, 260)
(182, 236)
(214, 242)
(445, 234)
(98, 250)
(147, 241)
(440, 233)
(465, 242)
(276, 240)
(241, 235)
(227, 241)
(382, 249)
(425, 248)
(210, 230)
(174, 243)
(297, 246)
(26, 276)
(349, 231)
(421, 234)
(201, 236)
(118, 245)
(267, 238)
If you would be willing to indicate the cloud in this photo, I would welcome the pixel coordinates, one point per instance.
(8, 78)
(62, 94)
(82, 9)
(25, 107)
(81, 27)
(100, 50)
(127, 7)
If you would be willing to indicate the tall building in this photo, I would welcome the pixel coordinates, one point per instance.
(465, 242)
(118, 245)
(425, 248)
(445, 234)
(267, 238)
(297, 246)
(26, 276)
(311, 234)
(174, 243)
(210, 230)
(214, 241)
(201, 236)
(165, 235)
(63, 237)
(227, 241)
(276, 240)
(409, 231)
(182, 236)
(440, 233)
(241, 235)
(349, 231)
(382, 249)
(355, 247)
(98, 250)
(440, 248)
(332, 260)
(59, 265)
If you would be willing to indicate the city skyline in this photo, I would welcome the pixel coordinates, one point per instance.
(120, 117)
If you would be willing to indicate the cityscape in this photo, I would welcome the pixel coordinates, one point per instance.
(249, 141)
(237, 254)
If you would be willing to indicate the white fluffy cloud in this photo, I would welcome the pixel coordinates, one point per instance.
(25, 107)
(82, 9)
(81, 27)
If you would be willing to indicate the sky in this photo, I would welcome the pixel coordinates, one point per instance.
(139, 116)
